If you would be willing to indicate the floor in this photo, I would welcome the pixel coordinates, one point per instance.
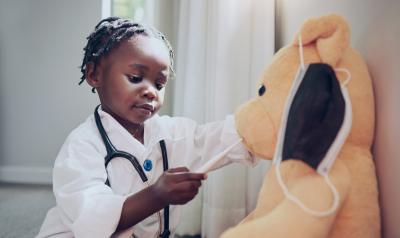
(23, 208)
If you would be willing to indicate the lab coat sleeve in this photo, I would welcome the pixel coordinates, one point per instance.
(79, 177)
(216, 141)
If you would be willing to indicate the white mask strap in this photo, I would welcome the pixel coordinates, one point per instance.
(297, 201)
(344, 84)
(301, 53)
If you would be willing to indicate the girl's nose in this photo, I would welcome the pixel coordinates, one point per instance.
(149, 91)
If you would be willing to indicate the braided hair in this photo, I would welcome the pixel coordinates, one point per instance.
(111, 31)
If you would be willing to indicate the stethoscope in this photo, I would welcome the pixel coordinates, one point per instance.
(112, 152)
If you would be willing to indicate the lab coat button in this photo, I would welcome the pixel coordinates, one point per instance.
(147, 165)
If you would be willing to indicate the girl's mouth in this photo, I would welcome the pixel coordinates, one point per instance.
(146, 108)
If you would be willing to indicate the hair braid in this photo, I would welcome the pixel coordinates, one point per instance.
(111, 31)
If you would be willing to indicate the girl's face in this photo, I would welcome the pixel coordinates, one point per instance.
(131, 79)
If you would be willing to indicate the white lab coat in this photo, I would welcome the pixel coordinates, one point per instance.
(87, 207)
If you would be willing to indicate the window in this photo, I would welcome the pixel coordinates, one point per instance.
(137, 10)
(133, 9)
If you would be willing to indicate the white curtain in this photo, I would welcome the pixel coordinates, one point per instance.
(222, 48)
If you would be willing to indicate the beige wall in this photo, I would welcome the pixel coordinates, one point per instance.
(375, 33)
(382, 51)
(41, 46)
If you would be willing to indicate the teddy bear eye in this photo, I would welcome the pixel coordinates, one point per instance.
(261, 90)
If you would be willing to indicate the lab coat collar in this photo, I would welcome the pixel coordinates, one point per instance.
(155, 129)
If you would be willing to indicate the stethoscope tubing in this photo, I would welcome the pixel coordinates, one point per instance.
(112, 152)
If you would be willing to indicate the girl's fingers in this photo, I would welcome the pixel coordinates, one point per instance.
(186, 197)
(178, 170)
(188, 186)
(186, 176)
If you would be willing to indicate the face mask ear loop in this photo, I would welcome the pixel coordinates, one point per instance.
(301, 53)
(297, 201)
(344, 84)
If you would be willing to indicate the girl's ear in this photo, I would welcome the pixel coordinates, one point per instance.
(92, 76)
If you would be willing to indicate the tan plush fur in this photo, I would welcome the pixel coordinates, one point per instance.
(325, 39)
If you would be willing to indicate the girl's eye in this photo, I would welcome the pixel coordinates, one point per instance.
(160, 86)
(261, 90)
(135, 79)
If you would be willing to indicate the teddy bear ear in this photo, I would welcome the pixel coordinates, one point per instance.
(330, 33)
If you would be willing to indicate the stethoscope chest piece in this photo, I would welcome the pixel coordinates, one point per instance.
(147, 165)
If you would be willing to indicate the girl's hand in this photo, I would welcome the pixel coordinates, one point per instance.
(177, 186)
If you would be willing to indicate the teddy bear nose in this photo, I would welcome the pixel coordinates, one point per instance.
(261, 90)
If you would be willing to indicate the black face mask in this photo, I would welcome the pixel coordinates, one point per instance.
(316, 120)
(315, 116)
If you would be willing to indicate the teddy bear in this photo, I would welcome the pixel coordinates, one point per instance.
(297, 199)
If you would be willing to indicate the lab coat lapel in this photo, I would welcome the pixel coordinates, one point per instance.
(155, 130)
(120, 137)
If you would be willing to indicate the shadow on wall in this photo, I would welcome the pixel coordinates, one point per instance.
(382, 52)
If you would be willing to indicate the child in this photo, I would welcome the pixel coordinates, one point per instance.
(129, 66)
